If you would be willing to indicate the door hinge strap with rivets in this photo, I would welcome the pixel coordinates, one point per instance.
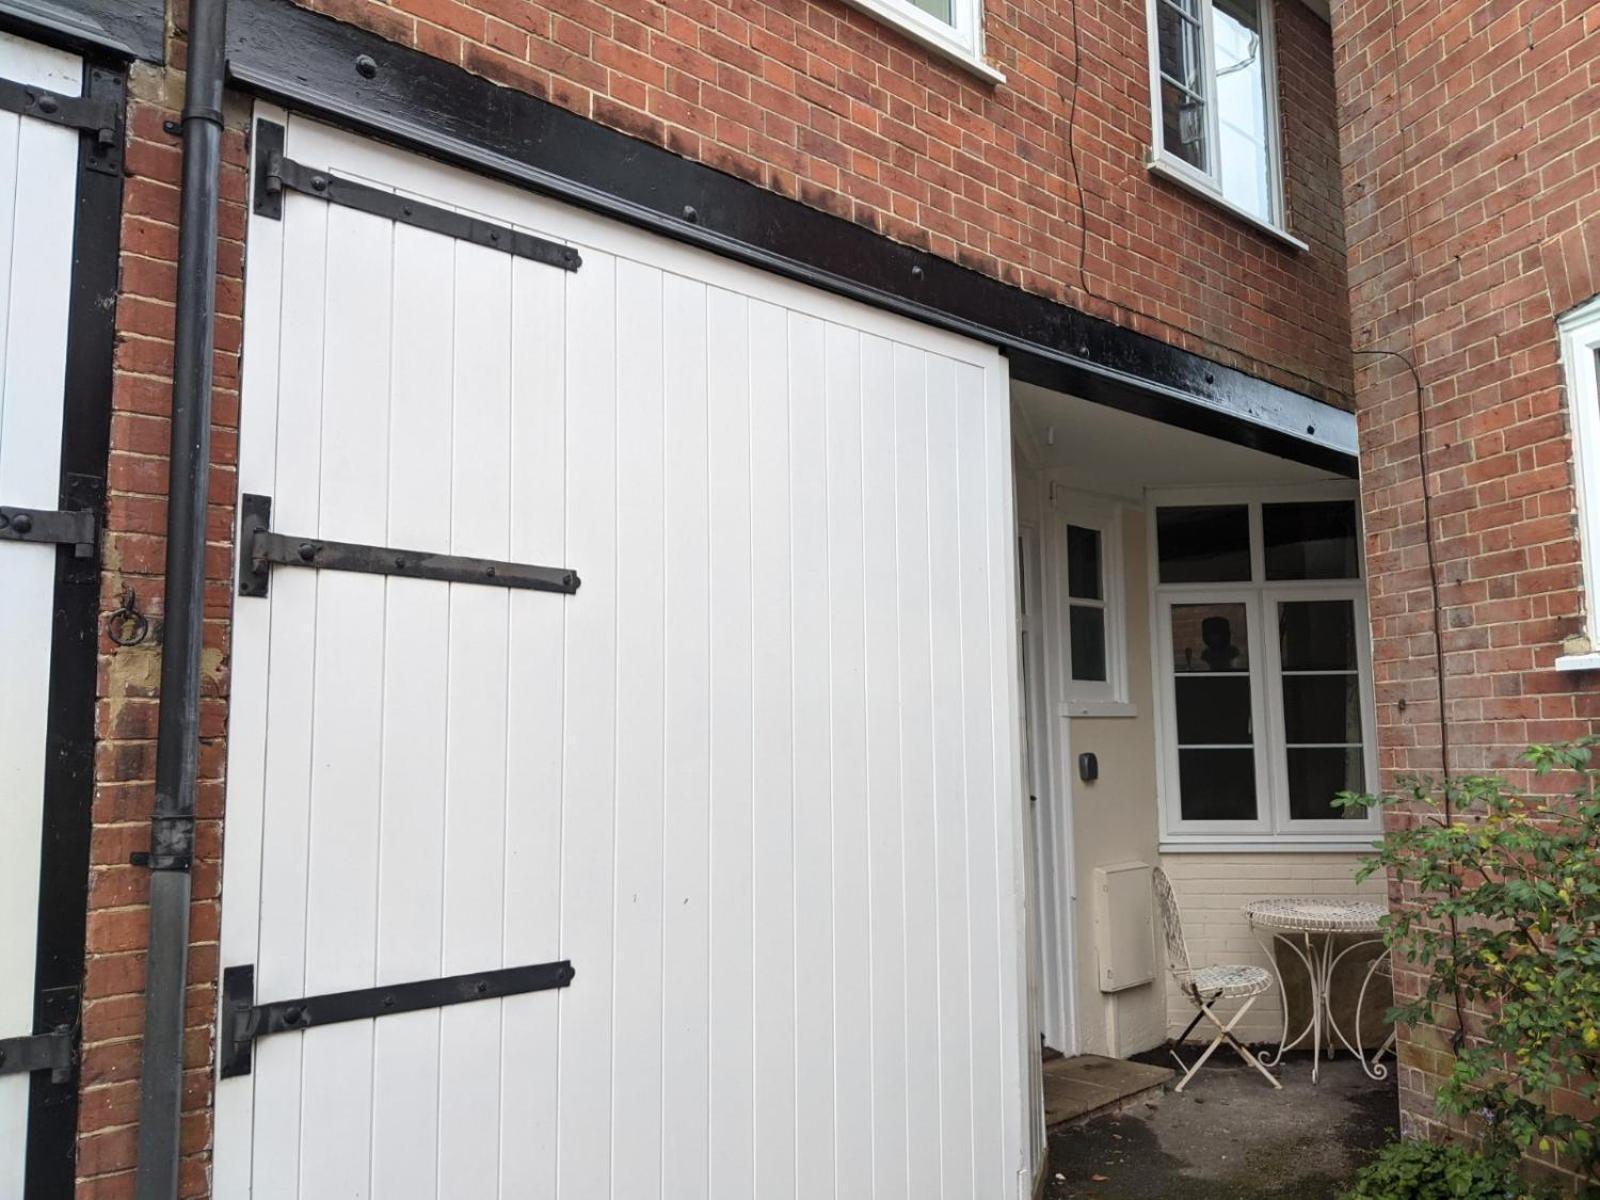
(92, 115)
(75, 529)
(51, 1052)
(276, 174)
(242, 1020)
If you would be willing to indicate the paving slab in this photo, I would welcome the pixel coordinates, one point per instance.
(1089, 1083)
(1229, 1136)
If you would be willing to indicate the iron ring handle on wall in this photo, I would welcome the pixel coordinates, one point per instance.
(126, 625)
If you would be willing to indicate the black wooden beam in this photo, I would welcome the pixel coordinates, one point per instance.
(125, 28)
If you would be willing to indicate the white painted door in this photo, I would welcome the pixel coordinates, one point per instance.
(38, 191)
(756, 779)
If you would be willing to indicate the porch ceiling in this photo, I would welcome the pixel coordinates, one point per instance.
(1107, 450)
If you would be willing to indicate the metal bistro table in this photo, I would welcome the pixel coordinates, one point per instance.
(1310, 925)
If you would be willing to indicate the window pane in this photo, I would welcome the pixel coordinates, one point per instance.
(939, 9)
(1088, 628)
(1311, 541)
(1322, 708)
(1317, 635)
(1316, 776)
(1217, 785)
(1183, 115)
(1241, 99)
(1204, 543)
(1213, 710)
(1209, 638)
(1083, 563)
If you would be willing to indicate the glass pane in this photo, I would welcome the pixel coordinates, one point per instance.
(1213, 710)
(1316, 776)
(1209, 638)
(1317, 635)
(1311, 541)
(1217, 785)
(1241, 99)
(938, 9)
(1083, 563)
(1183, 115)
(1204, 543)
(1321, 708)
(1088, 629)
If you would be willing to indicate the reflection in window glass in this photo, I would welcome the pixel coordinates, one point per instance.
(1088, 630)
(1215, 725)
(1204, 543)
(1083, 563)
(1179, 42)
(1311, 541)
(1321, 694)
(938, 9)
(1241, 96)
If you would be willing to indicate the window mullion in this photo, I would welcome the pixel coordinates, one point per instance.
(1275, 736)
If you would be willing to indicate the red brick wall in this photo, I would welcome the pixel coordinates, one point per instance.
(129, 677)
(1471, 139)
(818, 101)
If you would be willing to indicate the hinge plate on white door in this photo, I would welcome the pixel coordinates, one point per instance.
(276, 174)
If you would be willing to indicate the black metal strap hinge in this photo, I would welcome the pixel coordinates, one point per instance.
(98, 114)
(243, 1020)
(261, 550)
(75, 529)
(276, 174)
(53, 1052)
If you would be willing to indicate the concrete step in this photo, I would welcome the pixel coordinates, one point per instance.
(1090, 1084)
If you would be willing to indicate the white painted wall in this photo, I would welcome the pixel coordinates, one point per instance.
(757, 779)
(38, 190)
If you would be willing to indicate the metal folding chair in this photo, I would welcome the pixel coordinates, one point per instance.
(1206, 986)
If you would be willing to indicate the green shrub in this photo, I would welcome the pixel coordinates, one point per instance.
(1507, 923)
(1426, 1171)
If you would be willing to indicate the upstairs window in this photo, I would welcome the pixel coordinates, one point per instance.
(1580, 357)
(951, 28)
(1215, 102)
(1265, 668)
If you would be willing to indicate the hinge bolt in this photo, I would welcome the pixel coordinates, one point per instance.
(307, 551)
(319, 183)
(22, 523)
(47, 104)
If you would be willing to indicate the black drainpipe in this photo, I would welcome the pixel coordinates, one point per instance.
(177, 736)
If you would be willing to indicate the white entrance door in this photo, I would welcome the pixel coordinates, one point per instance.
(38, 193)
(755, 779)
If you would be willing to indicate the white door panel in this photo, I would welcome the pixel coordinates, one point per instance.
(38, 190)
(756, 778)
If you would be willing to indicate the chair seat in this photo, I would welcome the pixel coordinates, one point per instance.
(1229, 982)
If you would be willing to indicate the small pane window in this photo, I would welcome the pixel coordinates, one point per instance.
(1091, 608)
(1086, 609)
(1314, 540)
(1321, 693)
(1083, 564)
(1215, 723)
(1204, 543)
(1216, 112)
(1088, 629)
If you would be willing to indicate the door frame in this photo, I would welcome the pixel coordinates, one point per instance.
(69, 780)
(1050, 814)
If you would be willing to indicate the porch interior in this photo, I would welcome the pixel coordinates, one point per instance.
(1102, 747)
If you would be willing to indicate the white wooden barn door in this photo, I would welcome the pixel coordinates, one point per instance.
(38, 200)
(754, 778)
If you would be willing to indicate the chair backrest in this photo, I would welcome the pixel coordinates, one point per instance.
(1171, 926)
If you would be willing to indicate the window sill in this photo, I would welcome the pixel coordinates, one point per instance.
(1578, 662)
(1160, 165)
(948, 48)
(1272, 845)
(1098, 708)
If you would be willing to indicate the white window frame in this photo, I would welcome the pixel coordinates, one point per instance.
(961, 41)
(1272, 828)
(1168, 165)
(1579, 331)
(1083, 697)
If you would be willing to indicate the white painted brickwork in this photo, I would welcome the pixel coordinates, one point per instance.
(1213, 889)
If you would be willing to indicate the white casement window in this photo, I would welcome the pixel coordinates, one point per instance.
(1580, 359)
(1091, 608)
(1263, 658)
(1214, 102)
(951, 28)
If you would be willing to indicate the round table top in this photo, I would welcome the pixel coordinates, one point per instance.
(1316, 914)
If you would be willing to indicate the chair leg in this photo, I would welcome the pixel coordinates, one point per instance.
(1225, 1034)
(1241, 1049)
